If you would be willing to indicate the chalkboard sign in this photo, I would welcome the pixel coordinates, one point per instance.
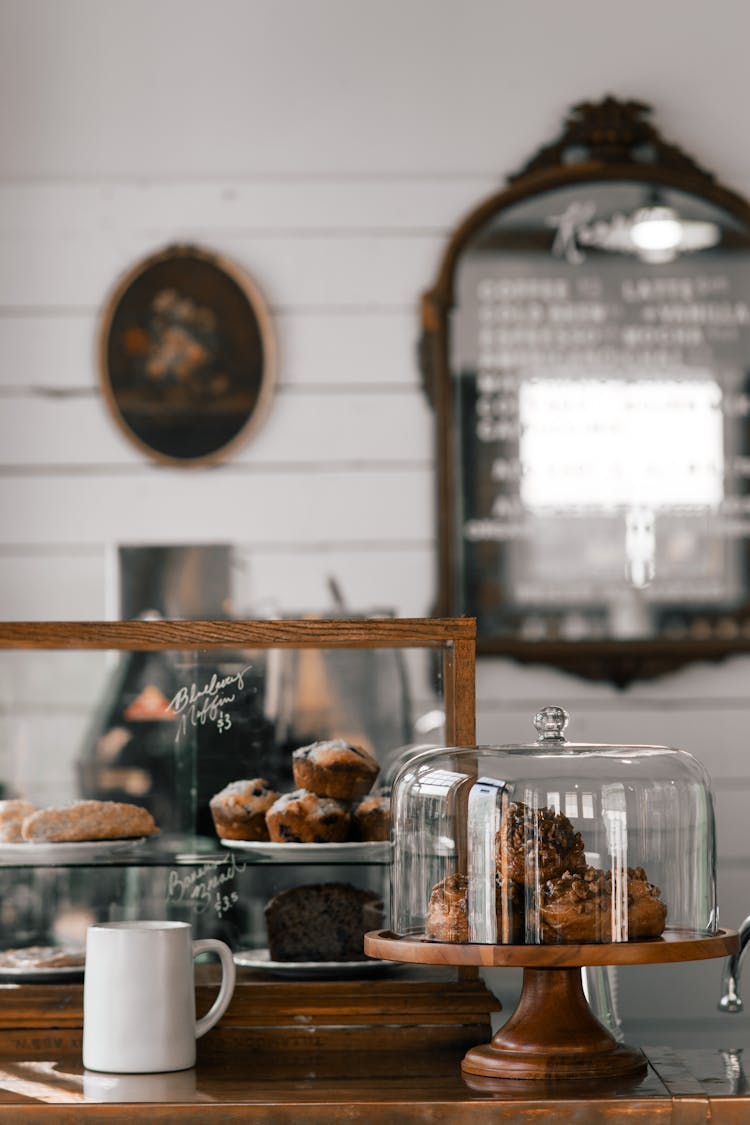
(587, 347)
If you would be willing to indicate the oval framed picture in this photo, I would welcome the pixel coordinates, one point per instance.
(186, 356)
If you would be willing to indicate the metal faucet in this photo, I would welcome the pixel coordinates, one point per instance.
(731, 1001)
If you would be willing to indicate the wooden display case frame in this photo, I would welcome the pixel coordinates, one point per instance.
(455, 638)
(448, 1011)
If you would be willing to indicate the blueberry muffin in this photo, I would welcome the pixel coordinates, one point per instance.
(334, 769)
(239, 810)
(305, 818)
(371, 818)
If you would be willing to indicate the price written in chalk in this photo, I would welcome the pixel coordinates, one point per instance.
(207, 887)
(198, 706)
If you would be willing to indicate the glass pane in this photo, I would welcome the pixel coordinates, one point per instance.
(170, 731)
(599, 354)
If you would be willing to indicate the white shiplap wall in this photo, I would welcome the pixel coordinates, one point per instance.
(328, 146)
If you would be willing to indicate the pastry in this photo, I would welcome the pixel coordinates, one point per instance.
(321, 922)
(447, 918)
(647, 914)
(304, 818)
(371, 818)
(42, 957)
(12, 814)
(578, 907)
(536, 845)
(447, 913)
(239, 810)
(334, 769)
(88, 820)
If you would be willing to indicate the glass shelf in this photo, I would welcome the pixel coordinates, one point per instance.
(196, 851)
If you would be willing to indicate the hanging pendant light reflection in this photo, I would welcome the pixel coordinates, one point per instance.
(658, 234)
(656, 228)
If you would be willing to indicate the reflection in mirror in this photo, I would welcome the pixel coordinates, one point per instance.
(588, 345)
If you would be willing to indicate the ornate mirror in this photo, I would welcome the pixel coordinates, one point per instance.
(586, 348)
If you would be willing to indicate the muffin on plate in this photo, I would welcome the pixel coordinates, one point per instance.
(371, 818)
(334, 768)
(305, 818)
(239, 809)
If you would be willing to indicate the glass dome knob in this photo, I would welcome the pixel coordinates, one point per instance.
(551, 722)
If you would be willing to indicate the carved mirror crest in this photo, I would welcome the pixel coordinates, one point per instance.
(586, 348)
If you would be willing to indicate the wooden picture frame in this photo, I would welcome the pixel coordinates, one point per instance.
(186, 356)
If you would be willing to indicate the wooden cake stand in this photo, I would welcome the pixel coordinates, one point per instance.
(553, 1034)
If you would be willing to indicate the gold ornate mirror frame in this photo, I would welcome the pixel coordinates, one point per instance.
(545, 303)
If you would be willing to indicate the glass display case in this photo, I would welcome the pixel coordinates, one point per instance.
(174, 719)
(553, 855)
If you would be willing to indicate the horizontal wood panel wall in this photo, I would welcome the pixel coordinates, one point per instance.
(338, 481)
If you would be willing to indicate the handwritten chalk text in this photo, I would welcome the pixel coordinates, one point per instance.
(205, 887)
(196, 706)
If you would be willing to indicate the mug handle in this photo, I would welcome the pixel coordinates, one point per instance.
(228, 976)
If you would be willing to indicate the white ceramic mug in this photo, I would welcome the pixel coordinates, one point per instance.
(177, 1086)
(139, 996)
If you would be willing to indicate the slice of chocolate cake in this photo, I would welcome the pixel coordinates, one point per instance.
(321, 922)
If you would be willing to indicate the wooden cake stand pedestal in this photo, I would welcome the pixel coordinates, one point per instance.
(553, 1035)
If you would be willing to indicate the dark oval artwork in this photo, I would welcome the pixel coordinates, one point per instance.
(186, 356)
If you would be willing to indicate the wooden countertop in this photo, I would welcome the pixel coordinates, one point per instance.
(382, 1088)
(362, 1052)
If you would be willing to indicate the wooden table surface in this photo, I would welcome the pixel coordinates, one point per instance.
(383, 1088)
(382, 1051)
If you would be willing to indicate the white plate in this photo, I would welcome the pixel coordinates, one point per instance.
(30, 975)
(261, 959)
(350, 851)
(35, 963)
(48, 852)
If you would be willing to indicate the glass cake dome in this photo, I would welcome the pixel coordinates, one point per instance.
(552, 842)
